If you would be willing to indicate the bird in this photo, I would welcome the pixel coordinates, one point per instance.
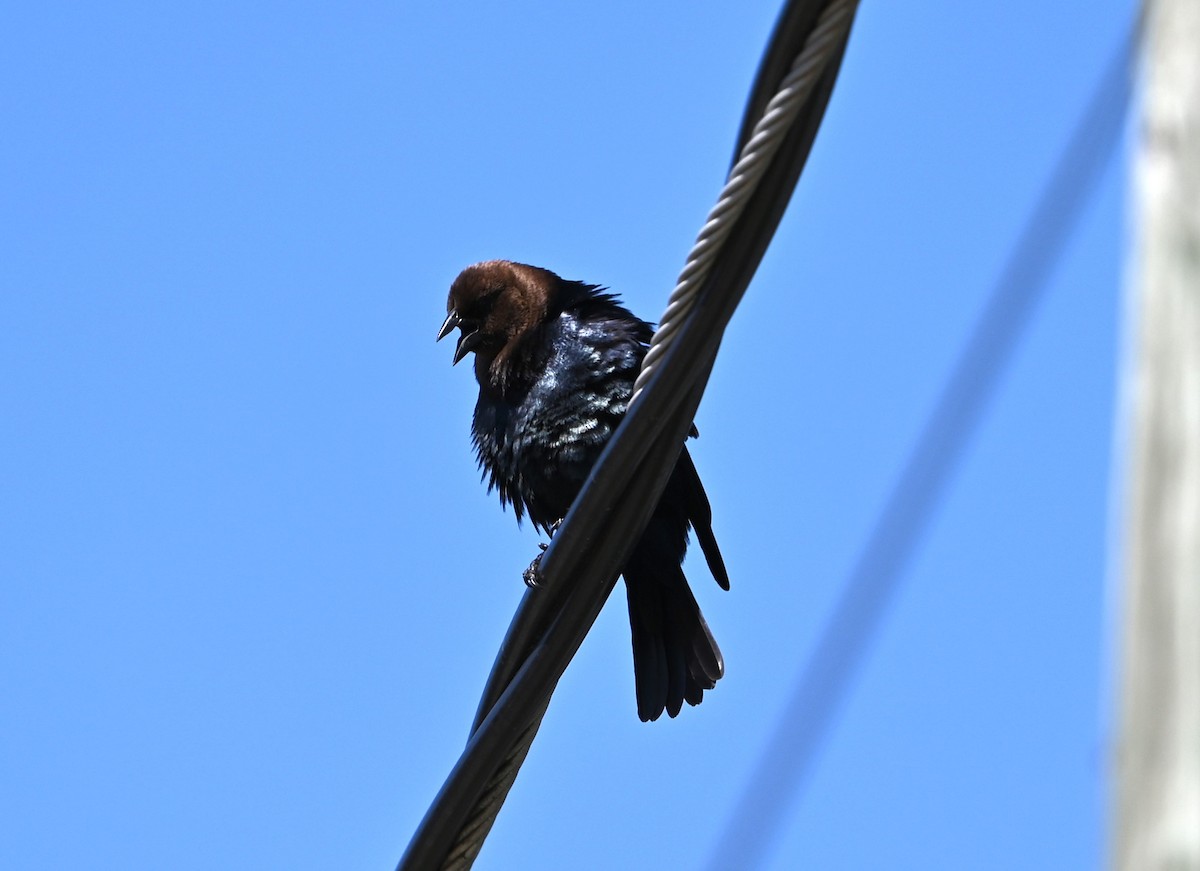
(556, 361)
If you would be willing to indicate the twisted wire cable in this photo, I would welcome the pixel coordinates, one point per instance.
(544, 636)
(479, 822)
(768, 135)
(756, 155)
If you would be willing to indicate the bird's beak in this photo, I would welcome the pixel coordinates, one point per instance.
(467, 342)
(452, 321)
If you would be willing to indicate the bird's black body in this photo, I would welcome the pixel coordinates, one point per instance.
(564, 394)
(556, 361)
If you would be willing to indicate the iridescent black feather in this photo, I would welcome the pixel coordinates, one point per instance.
(556, 361)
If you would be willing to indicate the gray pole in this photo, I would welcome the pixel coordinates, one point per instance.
(1157, 823)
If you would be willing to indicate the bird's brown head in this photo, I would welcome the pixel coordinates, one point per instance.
(495, 304)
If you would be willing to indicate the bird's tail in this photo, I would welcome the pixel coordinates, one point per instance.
(675, 657)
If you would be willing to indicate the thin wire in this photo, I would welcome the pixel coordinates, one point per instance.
(782, 769)
(744, 177)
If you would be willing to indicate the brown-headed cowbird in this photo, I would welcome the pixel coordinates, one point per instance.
(556, 361)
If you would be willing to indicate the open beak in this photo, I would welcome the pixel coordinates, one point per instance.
(452, 321)
(467, 342)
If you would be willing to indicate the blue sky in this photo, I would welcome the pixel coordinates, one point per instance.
(250, 585)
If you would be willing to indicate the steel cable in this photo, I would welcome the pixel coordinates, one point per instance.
(765, 140)
(624, 486)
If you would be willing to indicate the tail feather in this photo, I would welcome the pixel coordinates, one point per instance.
(649, 652)
(675, 657)
(699, 515)
(706, 656)
(678, 673)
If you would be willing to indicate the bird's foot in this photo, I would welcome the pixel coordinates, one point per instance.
(533, 574)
